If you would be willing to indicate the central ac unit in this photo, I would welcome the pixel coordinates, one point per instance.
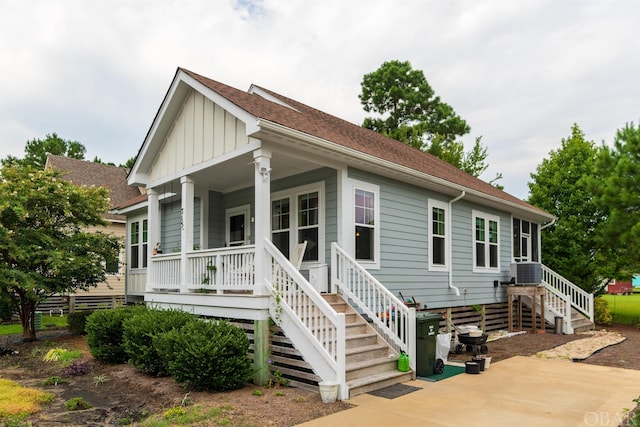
(526, 273)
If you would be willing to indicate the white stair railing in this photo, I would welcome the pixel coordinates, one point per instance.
(390, 317)
(315, 328)
(579, 298)
(557, 304)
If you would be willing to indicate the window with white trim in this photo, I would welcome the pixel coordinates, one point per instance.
(525, 241)
(138, 244)
(296, 216)
(486, 242)
(281, 224)
(366, 220)
(438, 235)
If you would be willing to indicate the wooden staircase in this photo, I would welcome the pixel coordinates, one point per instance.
(371, 363)
(580, 322)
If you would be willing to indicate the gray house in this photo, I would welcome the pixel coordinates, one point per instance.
(259, 207)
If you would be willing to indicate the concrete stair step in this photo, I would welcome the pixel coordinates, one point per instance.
(361, 340)
(378, 381)
(371, 367)
(376, 351)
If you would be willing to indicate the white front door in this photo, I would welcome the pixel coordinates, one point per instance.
(238, 227)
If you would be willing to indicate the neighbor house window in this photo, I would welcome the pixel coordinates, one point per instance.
(438, 235)
(486, 245)
(138, 244)
(525, 241)
(297, 216)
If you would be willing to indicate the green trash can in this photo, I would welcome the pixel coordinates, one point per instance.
(427, 325)
(38, 320)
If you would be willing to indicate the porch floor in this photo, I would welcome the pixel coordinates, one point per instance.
(518, 391)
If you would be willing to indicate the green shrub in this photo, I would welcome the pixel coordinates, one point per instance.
(104, 333)
(6, 308)
(77, 321)
(601, 313)
(77, 404)
(138, 334)
(206, 355)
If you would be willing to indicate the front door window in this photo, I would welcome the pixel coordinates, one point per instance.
(238, 226)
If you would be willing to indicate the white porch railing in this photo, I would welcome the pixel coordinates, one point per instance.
(219, 270)
(579, 298)
(307, 319)
(166, 271)
(391, 318)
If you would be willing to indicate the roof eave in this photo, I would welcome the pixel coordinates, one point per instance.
(409, 172)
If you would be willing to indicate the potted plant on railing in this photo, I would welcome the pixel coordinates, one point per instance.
(157, 249)
(207, 277)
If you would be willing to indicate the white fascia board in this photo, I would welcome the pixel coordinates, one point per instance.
(257, 91)
(292, 133)
(132, 208)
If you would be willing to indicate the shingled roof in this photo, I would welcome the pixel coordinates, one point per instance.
(313, 122)
(84, 173)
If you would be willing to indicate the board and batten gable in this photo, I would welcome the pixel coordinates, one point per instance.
(405, 246)
(201, 131)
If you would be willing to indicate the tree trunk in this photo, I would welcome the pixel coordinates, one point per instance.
(28, 321)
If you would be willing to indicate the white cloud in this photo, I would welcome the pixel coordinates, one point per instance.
(521, 73)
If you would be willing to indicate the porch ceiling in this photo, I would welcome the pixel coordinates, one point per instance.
(238, 173)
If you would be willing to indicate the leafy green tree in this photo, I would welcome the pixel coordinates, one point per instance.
(409, 111)
(561, 186)
(45, 246)
(129, 163)
(616, 190)
(36, 151)
(413, 111)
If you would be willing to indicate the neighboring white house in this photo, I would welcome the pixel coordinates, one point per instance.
(235, 180)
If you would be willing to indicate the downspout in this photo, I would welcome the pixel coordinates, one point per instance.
(450, 245)
(553, 221)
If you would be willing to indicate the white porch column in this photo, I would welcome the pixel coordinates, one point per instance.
(153, 230)
(186, 230)
(262, 160)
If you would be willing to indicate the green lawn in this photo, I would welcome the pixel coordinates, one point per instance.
(46, 320)
(624, 308)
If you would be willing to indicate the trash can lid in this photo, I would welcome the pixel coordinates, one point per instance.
(425, 315)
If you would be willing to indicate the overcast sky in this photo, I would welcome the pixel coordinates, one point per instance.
(519, 72)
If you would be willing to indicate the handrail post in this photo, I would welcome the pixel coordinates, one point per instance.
(341, 356)
(411, 343)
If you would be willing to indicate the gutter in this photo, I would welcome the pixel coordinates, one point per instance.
(450, 245)
(553, 221)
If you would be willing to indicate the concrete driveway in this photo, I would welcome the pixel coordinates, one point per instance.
(520, 391)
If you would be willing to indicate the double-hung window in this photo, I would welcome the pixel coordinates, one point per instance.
(138, 244)
(297, 216)
(486, 242)
(438, 235)
(366, 220)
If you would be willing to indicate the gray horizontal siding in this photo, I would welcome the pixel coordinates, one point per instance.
(404, 247)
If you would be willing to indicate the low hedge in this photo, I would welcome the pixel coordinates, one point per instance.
(104, 333)
(206, 355)
(139, 332)
(77, 322)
